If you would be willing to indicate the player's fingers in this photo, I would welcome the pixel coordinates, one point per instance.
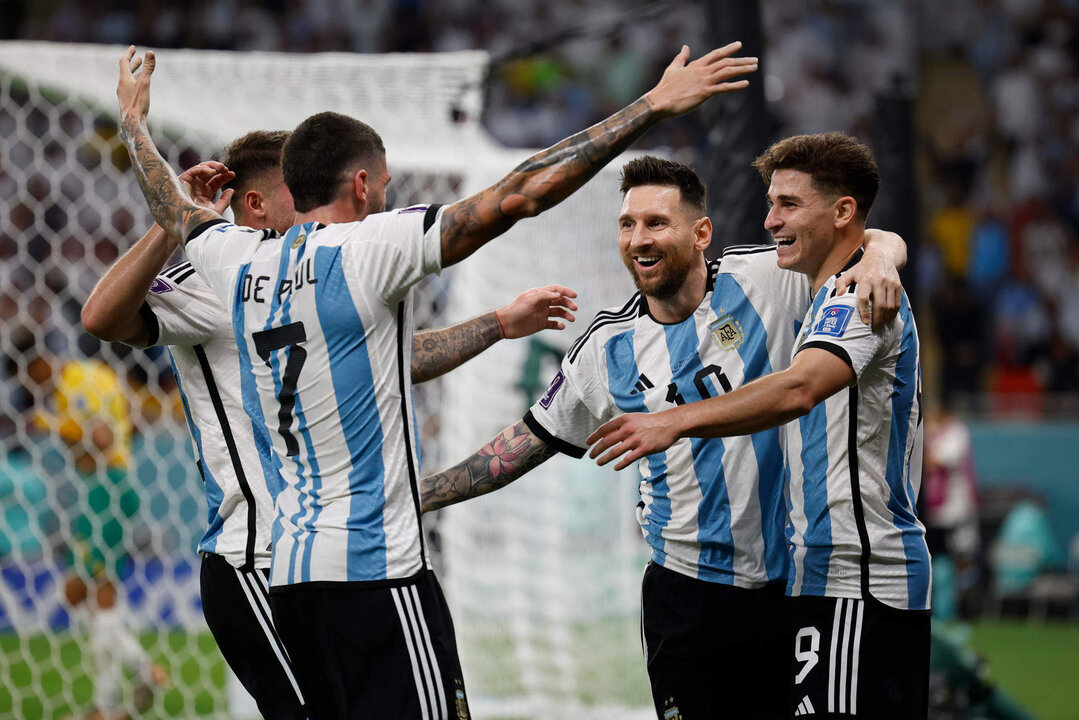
(136, 64)
(629, 460)
(223, 201)
(681, 58)
(561, 313)
(148, 66)
(730, 87)
(603, 430)
(125, 60)
(562, 290)
(555, 325)
(842, 283)
(721, 52)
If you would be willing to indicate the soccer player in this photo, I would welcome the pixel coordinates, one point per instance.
(88, 411)
(712, 510)
(321, 316)
(859, 576)
(135, 305)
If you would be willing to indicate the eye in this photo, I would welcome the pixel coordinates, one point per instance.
(625, 224)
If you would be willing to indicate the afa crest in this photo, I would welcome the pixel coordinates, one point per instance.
(727, 332)
(670, 710)
(299, 240)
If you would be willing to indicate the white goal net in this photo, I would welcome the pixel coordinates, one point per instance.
(543, 577)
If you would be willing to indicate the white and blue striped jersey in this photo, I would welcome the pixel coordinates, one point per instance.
(855, 464)
(323, 323)
(232, 452)
(711, 508)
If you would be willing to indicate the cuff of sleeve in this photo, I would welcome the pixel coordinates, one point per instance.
(153, 328)
(834, 349)
(200, 229)
(557, 443)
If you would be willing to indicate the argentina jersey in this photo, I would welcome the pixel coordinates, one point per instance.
(323, 322)
(232, 452)
(855, 464)
(711, 508)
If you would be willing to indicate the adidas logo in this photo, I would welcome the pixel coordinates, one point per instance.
(643, 383)
(805, 708)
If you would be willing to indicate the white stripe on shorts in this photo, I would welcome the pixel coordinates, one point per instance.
(257, 598)
(432, 700)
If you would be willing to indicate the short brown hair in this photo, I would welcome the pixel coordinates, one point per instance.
(251, 157)
(651, 170)
(837, 164)
(321, 151)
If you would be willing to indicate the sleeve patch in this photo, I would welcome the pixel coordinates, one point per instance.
(834, 321)
(552, 390)
(159, 286)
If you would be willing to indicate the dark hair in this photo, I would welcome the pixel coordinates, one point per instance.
(251, 157)
(651, 170)
(838, 165)
(321, 151)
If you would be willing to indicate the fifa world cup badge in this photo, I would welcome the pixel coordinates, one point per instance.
(670, 710)
(727, 332)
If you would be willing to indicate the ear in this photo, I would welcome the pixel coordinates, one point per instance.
(846, 208)
(253, 204)
(359, 186)
(703, 233)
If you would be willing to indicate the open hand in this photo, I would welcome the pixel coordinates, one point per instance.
(685, 84)
(133, 91)
(201, 182)
(633, 435)
(878, 289)
(537, 309)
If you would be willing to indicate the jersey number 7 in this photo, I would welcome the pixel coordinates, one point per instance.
(266, 342)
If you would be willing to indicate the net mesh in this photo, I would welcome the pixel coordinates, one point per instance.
(542, 577)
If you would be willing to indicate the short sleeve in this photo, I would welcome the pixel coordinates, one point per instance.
(182, 308)
(393, 251)
(571, 408)
(838, 328)
(217, 248)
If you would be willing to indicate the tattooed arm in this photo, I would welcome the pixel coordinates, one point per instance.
(509, 455)
(436, 352)
(174, 211)
(550, 176)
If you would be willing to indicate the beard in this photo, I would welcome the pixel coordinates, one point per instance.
(666, 283)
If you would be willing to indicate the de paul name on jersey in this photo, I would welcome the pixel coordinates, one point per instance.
(256, 287)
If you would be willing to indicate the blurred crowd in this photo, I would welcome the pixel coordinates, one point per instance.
(995, 85)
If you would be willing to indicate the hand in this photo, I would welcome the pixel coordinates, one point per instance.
(685, 85)
(638, 434)
(534, 310)
(878, 289)
(201, 182)
(133, 91)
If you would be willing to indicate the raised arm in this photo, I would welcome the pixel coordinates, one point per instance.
(435, 352)
(876, 277)
(768, 402)
(170, 206)
(113, 310)
(547, 178)
(508, 456)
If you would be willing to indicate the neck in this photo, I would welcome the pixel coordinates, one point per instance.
(844, 248)
(339, 211)
(683, 303)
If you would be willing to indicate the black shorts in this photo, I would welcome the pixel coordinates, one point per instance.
(858, 658)
(236, 604)
(373, 652)
(714, 651)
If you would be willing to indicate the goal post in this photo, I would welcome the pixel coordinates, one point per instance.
(543, 577)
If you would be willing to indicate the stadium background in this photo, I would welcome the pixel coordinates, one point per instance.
(971, 107)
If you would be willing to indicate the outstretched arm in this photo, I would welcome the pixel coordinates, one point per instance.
(112, 312)
(173, 210)
(435, 352)
(878, 288)
(547, 178)
(508, 456)
(765, 403)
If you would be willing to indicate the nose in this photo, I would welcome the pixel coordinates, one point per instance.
(771, 220)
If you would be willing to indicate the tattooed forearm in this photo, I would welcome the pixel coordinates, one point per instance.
(438, 351)
(169, 205)
(509, 455)
(541, 182)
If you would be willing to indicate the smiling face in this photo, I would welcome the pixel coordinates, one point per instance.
(660, 242)
(802, 221)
